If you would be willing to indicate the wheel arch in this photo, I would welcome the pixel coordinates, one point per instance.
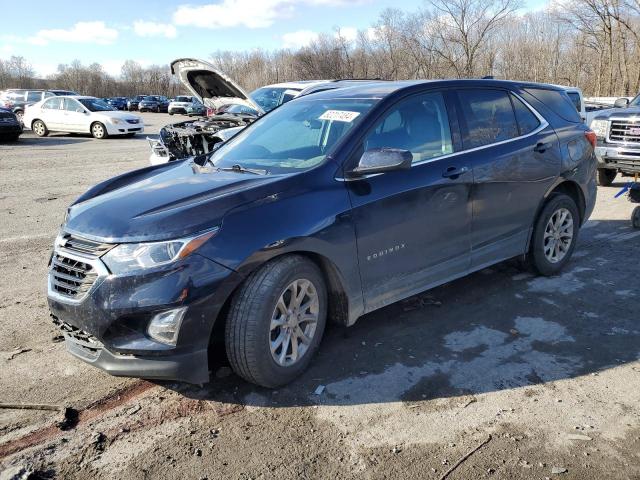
(338, 309)
(568, 187)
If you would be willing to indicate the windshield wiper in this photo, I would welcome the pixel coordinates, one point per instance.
(240, 169)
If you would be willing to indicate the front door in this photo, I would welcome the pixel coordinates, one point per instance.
(413, 225)
(75, 116)
(51, 112)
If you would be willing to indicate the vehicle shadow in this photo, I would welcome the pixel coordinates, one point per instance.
(69, 139)
(500, 328)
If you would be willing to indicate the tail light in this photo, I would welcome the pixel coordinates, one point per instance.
(210, 112)
(591, 137)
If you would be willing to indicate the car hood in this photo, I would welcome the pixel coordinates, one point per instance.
(209, 85)
(629, 112)
(164, 202)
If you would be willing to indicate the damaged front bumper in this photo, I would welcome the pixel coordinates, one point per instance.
(106, 325)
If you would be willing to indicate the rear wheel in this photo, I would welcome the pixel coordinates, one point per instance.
(606, 176)
(39, 128)
(635, 217)
(554, 235)
(20, 115)
(276, 321)
(99, 131)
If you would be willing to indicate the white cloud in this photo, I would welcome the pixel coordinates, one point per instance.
(143, 28)
(247, 13)
(44, 69)
(81, 32)
(299, 39)
(348, 33)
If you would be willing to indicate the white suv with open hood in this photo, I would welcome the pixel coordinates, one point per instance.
(216, 90)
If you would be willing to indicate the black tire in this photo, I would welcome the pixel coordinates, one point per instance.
(537, 258)
(170, 113)
(248, 325)
(39, 128)
(635, 218)
(606, 176)
(99, 131)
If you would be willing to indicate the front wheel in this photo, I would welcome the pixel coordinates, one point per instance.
(276, 321)
(555, 235)
(39, 128)
(99, 131)
(606, 176)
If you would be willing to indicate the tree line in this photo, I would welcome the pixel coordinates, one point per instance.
(592, 44)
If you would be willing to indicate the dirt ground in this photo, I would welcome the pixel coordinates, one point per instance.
(540, 375)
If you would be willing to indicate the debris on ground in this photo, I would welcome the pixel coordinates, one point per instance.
(17, 352)
(467, 455)
(469, 402)
(396, 449)
(558, 470)
(419, 301)
(585, 438)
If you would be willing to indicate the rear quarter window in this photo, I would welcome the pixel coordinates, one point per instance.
(558, 102)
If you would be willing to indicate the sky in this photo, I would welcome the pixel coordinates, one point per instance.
(51, 33)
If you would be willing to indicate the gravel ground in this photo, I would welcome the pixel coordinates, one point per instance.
(541, 375)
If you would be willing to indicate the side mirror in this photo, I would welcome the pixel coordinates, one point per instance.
(379, 160)
(621, 103)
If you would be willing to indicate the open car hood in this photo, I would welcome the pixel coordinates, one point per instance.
(209, 85)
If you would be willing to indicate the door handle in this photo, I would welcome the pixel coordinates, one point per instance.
(541, 147)
(454, 172)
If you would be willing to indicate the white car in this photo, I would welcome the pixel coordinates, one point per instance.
(80, 114)
(180, 104)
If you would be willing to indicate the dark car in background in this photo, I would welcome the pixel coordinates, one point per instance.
(331, 206)
(17, 99)
(153, 103)
(10, 126)
(119, 103)
(196, 109)
(132, 103)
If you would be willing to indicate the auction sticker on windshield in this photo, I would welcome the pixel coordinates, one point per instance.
(339, 115)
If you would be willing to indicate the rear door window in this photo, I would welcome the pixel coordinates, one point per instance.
(527, 121)
(52, 104)
(558, 101)
(488, 115)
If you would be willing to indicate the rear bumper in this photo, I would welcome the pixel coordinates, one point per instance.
(10, 129)
(619, 157)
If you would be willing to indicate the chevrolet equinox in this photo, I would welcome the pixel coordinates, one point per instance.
(327, 208)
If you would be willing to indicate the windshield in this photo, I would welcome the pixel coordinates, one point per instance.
(183, 99)
(635, 102)
(150, 99)
(95, 105)
(296, 137)
(268, 97)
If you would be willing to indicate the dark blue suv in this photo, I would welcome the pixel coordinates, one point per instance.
(330, 206)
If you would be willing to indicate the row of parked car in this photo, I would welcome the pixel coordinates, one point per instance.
(182, 104)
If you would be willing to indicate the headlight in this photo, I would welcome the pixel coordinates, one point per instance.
(130, 257)
(600, 127)
(115, 121)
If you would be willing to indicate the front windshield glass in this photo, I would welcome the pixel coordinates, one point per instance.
(95, 105)
(267, 97)
(151, 99)
(293, 138)
(183, 99)
(635, 102)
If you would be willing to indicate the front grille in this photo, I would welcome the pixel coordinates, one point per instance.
(75, 265)
(84, 246)
(69, 277)
(625, 131)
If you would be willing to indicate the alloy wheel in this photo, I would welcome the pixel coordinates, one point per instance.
(294, 321)
(39, 128)
(558, 235)
(98, 130)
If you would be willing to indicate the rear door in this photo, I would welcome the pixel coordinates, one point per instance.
(515, 158)
(413, 225)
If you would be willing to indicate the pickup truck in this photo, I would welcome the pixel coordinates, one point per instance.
(618, 137)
